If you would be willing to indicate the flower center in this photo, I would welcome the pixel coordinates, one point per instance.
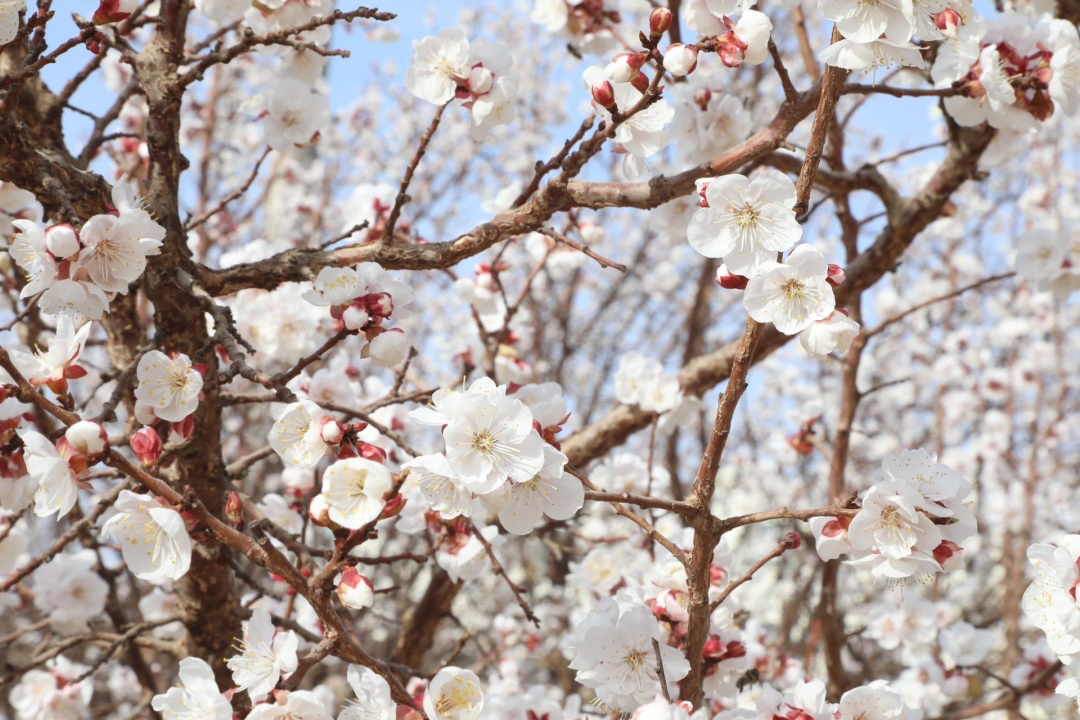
(891, 518)
(635, 659)
(793, 289)
(459, 695)
(746, 217)
(356, 483)
(177, 376)
(483, 443)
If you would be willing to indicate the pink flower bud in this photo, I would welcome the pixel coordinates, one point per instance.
(729, 280)
(110, 11)
(793, 540)
(624, 67)
(394, 506)
(331, 431)
(180, 431)
(680, 59)
(62, 241)
(731, 50)
(88, 438)
(659, 22)
(371, 452)
(355, 591)
(702, 185)
(947, 21)
(836, 275)
(146, 444)
(641, 82)
(603, 94)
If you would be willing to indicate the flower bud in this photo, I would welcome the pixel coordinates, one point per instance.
(835, 275)
(948, 21)
(88, 438)
(388, 349)
(181, 431)
(603, 94)
(62, 241)
(393, 507)
(355, 318)
(731, 50)
(659, 22)
(625, 66)
(641, 82)
(355, 591)
(702, 185)
(792, 540)
(480, 80)
(331, 432)
(146, 444)
(680, 59)
(234, 510)
(729, 280)
(319, 512)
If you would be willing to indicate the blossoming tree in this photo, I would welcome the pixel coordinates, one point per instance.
(467, 389)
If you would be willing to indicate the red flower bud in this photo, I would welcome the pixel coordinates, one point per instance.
(603, 94)
(659, 22)
(641, 82)
(729, 280)
(793, 540)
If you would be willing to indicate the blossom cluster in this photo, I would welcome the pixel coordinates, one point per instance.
(912, 524)
(80, 271)
(1052, 603)
(449, 67)
(500, 449)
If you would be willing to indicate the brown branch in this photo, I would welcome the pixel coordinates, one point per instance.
(410, 170)
(603, 261)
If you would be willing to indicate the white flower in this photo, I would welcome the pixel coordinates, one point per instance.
(439, 64)
(851, 55)
(58, 488)
(754, 29)
(297, 435)
(373, 701)
(635, 378)
(298, 705)
(32, 255)
(550, 492)
(876, 701)
(69, 592)
(75, 297)
(965, 645)
(495, 107)
(618, 659)
(115, 249)
(707, 122)
(791, 295)
(865, 22)
(58, 363)
(834, 333)
(552, 14)
(490, 439)
(9, 19)
(196, 698)
(389, 349)
(1050, 602)
(295, 112)
(747, 222)
(87, 438)
(333, 286)
(454, 694)
(441, 488)
(932, 483)
(444, 402)
(152, 538)
(53, 693)
(264, 658)
(223, 12)
(170, 386)
(464, 562)
(890, 523)
(1041, 253)
(354, 489)
(1065, 82)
